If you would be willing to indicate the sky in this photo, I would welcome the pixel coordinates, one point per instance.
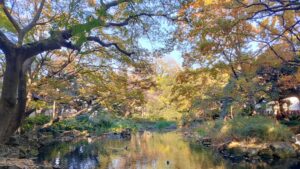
(173, 55)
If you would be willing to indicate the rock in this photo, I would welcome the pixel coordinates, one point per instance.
(15, 163)
(126, 134)
(237, 151)
(295, 129)
(296, 139)
(206, 141)
(241, 149)
(14, 141)
(283, 150)
(66, 139)
(256, 151)
(10, 167)
(68, 136)
(266, 153)
(9, 151)
(74, 133)
(252, 152)
(28, 152)
(46, 139)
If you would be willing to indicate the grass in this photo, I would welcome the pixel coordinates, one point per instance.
(245, 128)
(291, 123)
(157, 123)
(99, 124)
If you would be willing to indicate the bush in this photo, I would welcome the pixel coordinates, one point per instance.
(163, 124)
(37, 120)
(247, 127)
(102, 122)
(102, 119)
(121, 124)
(72, 124)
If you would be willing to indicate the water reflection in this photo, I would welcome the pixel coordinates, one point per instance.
(143, 151)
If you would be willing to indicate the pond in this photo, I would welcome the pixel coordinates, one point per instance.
(146, 150)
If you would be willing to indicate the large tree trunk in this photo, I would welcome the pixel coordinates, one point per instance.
(13, 97)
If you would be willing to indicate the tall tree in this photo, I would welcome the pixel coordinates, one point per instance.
(29, 28)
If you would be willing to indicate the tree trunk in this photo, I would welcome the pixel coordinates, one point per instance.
(13, 97)
(8, 101)
(226, 104)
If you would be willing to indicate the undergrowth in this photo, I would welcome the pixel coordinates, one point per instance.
(246, 127)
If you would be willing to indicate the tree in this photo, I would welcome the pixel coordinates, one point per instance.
(159, 97)
(85, 26)
(276, 22)
(198, 92)
(241, 35)
(217, 33)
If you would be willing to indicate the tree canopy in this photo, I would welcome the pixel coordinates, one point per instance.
(60, 55)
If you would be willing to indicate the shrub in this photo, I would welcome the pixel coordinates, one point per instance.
(121, 124)
(102, 120)
(163, 124)
(37, 120)
(73, 124)
(98, 124)
(247, 127)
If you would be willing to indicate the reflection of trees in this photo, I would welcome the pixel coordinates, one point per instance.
(153, 150)
(72, 155)
(146, 150)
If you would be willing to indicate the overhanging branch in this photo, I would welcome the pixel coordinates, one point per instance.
(132, 17)
(56, 41)
(61, 38)
(277, 6)
(104, 44)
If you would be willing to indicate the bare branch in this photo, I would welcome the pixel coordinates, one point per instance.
(64, 65)
(35, 18)
(48, 21)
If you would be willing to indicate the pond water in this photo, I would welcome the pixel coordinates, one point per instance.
(144, 151)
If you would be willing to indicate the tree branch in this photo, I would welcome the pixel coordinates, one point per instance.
(60, 38)
(10, 17)
(126, 21)
(56, 41)
(35, 18)
(109, 5)
(28, 112)
(5, 44)
(98, 40)
(280, 6)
